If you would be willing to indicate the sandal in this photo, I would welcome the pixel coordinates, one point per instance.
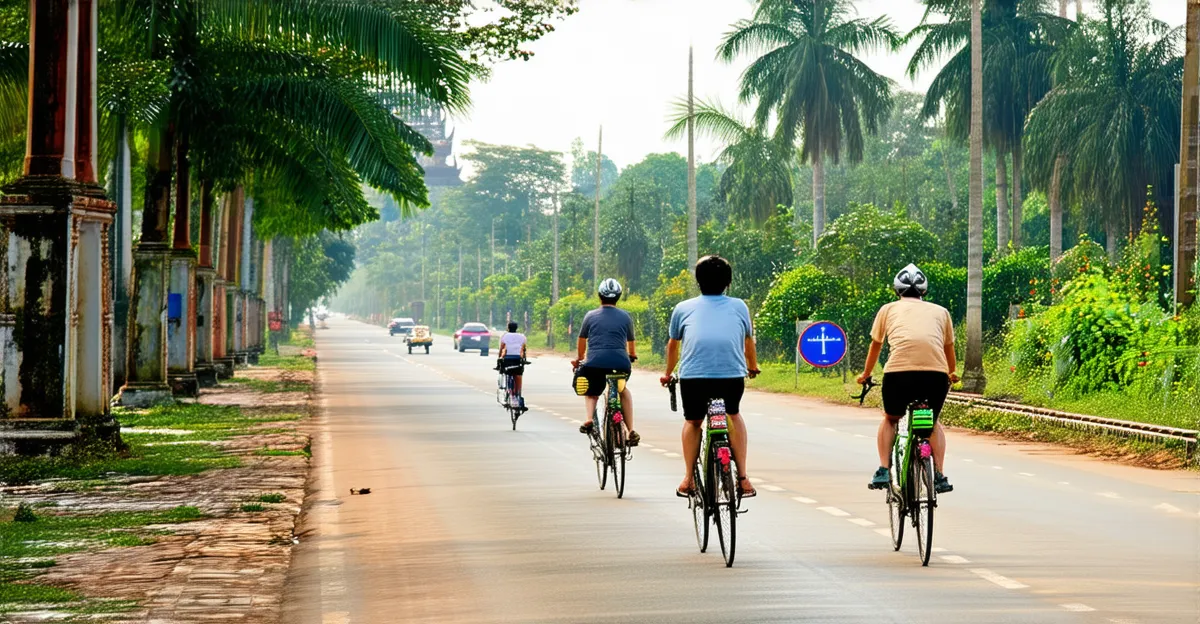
(688, 493)
(742, 491)
(587, 427)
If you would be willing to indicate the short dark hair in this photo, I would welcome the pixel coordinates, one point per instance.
(713, 274)
(609, 300)
(512, 326)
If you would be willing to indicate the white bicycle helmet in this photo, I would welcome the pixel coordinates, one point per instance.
(609, 288)
(910, 279)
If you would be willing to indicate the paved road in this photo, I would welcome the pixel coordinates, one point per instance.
(469, 521)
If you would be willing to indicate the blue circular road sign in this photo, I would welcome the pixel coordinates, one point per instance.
(822, 344)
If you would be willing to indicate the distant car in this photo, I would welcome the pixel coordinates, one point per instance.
(473, 336)
(419, 337)
(401, 325)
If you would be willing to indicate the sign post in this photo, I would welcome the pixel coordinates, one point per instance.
(822, 344)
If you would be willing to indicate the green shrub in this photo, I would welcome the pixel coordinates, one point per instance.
(1020, 278)
(796, 294)
(1085, 256)
(869, 246)
(947, 288)
(662, 302)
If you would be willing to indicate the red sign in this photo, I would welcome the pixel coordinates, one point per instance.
(275, 321)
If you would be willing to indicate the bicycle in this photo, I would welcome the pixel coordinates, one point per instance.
(910, 491)
(716, 495)
(506, 393)
(609, 443)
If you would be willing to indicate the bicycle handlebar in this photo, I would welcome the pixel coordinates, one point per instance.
(671, 388)
(866, 388)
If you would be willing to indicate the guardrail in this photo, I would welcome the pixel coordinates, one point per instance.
(1126, 428)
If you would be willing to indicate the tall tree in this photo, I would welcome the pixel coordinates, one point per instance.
(973, 376)
(1116, 113)
(808, 77)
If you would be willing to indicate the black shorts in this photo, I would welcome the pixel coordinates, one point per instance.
(511, 364)
(904, 388)
(596, 378)
(698, 391)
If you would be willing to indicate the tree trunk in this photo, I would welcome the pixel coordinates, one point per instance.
(1003, 226)
(693, 248)
(818, 167)
(974, 379)
(554, 268)
(1055, 200)
(1016, 197)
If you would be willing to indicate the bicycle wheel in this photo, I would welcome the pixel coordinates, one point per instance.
(598, 447)
(514, 413)
(725, 503)
(616, 448)
(699, 505)
(922, 509)
(895, 518)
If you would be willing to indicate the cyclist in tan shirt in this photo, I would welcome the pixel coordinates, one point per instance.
(921, 366)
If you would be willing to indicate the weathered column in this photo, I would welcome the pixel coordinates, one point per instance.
(121, 254)
(236, 297)
(222, 361)
(181, 297)
(55, 288)
(206, 374)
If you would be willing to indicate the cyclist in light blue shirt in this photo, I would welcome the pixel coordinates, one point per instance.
(712, 341)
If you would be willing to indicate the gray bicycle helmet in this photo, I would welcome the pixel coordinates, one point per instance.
(609, 288)
(910, 281)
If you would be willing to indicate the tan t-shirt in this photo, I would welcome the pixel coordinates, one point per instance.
(918, 333)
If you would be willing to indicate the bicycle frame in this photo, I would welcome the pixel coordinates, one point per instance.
(918, 417)
(716, 438)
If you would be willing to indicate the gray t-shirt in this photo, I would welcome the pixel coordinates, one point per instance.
(607, 329)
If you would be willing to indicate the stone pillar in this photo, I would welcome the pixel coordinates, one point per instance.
(56, 286)
(206, 374)
(223, 358)
(121, 254)
(181, 296)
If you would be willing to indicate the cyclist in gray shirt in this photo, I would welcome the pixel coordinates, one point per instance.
(606, 346)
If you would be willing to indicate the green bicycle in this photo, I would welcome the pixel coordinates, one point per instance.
(609, 440)
(911, 490)
(716, 495)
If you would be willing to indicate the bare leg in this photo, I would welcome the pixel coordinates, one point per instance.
(627, 407)
(692, 430)
(938, 442)
(517, 384)
(884, 440)
(739, 443)
(590, 405)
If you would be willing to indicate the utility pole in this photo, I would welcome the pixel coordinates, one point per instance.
(554, 277)
(493, 269)
(437, 295)
(596, 216)
(693, 252)
(422, 263)
(1189, 186)
(458, 296)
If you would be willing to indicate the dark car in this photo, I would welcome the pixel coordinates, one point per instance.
(473, 336)
(401, 325)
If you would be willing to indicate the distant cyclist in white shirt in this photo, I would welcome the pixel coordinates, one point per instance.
(512, 356)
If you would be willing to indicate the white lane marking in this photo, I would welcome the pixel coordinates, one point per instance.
(954, 559)
(803, 499)
(969, 460)
(1077, 607)
(672, 455)
(998, 467)
(1108, 494)
(885, 532)
(773, 417)
(937, 549)
(1123, 621)
(1002, 581)
(862, 522)
(771, 488)
(831, 429)
(859, 435)
(647, 445)
(801, 424)
(578, 422)
(1026, 474)
(757, 479)
(1167, 507)
(658, 450)
(1064, 483)
(834, 511)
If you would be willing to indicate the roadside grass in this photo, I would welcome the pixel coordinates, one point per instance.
(26, 547)
(301, 338)
(252, 507)
(272, 498)
(270, 386)
(148, 453)
(287, 362)
(270, 452)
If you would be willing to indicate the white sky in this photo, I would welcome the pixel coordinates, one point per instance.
(621, 63)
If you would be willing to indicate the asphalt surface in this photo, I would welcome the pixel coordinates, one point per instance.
(469, 521)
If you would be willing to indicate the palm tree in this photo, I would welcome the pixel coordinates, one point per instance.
(1018, 44)
(974, 379)
(807, 76)
(757, 177)
(1115, 113)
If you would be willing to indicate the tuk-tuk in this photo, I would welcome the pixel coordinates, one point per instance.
(420, 336)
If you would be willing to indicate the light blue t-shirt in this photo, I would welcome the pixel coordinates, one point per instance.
(713, 330)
